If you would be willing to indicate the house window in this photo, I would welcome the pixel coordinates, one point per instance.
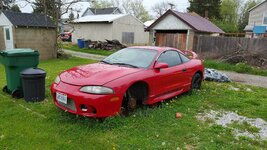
(7, 34)
(128, 37)
(265, 18)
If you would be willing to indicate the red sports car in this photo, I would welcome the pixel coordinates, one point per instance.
(128, 78)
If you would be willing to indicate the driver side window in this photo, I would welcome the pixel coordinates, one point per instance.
(170, 57)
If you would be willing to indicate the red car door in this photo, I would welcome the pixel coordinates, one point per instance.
(169, 79)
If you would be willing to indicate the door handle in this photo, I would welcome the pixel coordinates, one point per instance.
(184, 70)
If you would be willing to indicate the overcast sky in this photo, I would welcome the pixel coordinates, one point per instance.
(181, 5)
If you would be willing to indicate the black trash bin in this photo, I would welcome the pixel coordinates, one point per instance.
(33, 84)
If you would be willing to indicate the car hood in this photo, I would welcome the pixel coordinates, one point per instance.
(95, 74)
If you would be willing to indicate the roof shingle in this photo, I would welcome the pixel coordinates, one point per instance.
(195, 21)
(30, 20)
(199, 23)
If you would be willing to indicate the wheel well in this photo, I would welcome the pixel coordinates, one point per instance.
(140, 91)
(200, 72)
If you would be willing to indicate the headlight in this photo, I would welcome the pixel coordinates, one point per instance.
(57, 80)
(96, 90)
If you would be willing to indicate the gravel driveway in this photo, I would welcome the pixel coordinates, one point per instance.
(84, 55)
(254, 80)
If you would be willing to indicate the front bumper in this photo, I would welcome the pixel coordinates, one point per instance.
(89, 105)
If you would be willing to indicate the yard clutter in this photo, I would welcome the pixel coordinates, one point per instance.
(178, 115)
(253, 58)
(105, 45)
(16, 62)
(33, 84)
(214, 75)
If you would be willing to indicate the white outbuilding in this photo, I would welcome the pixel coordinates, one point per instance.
(122, 27)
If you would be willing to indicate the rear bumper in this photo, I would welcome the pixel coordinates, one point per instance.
(89, 105)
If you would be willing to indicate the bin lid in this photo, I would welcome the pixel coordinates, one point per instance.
(33, 72)
(19, 52)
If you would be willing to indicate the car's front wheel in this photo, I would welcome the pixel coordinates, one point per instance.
(196, 81)
(135, 96)
(129, 104)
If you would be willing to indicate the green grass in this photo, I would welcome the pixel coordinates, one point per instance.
(44, 126)
(240, 68)
(90, 51)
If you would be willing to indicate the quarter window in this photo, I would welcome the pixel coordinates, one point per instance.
(172, 58)
(184, 58)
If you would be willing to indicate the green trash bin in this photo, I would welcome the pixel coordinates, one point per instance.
(15, 61)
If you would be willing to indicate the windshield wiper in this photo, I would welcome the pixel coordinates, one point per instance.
(124, 64)
(103, 61)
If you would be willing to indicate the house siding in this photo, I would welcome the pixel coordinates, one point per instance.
(130, 24)
(171, 22)
(256, 15)
(111, 31)
(41, 39)
(4, 22)
(92, 31)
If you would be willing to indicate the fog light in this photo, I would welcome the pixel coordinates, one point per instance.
(84, 108)
(88, 109)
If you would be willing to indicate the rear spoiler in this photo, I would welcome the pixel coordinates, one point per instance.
(190, 54)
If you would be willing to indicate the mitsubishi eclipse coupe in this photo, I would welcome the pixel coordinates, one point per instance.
(126, 79)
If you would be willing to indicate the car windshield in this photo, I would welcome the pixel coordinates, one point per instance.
(132, 57)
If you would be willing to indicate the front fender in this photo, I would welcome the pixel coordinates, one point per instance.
(121, 85)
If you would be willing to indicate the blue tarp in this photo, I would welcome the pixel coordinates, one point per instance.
(259, 29)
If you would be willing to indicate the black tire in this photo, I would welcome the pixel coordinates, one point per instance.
(17, 94)
(196, 81)
(5, 89)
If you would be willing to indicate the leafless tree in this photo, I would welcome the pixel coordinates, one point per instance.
(161, 7)
(134, 7)
(6, 4)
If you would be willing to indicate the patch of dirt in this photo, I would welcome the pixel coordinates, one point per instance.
(241, 125)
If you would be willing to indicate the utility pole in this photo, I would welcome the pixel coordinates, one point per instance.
(171, 5)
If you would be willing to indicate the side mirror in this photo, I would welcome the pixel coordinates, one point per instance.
(161, 65)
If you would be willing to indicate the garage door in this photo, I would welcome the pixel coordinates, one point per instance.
(171, 40)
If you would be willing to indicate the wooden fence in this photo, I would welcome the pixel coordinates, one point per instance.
(211, 47)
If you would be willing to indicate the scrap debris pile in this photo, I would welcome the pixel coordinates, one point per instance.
(105, 45)
(214, 75)
(253, 58)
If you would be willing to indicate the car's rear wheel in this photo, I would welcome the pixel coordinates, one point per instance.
(196, 81)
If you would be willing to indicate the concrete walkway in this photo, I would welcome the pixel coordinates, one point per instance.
(247, 79)
(84, 55)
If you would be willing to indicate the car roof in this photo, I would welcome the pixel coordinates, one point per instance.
(157, 48)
